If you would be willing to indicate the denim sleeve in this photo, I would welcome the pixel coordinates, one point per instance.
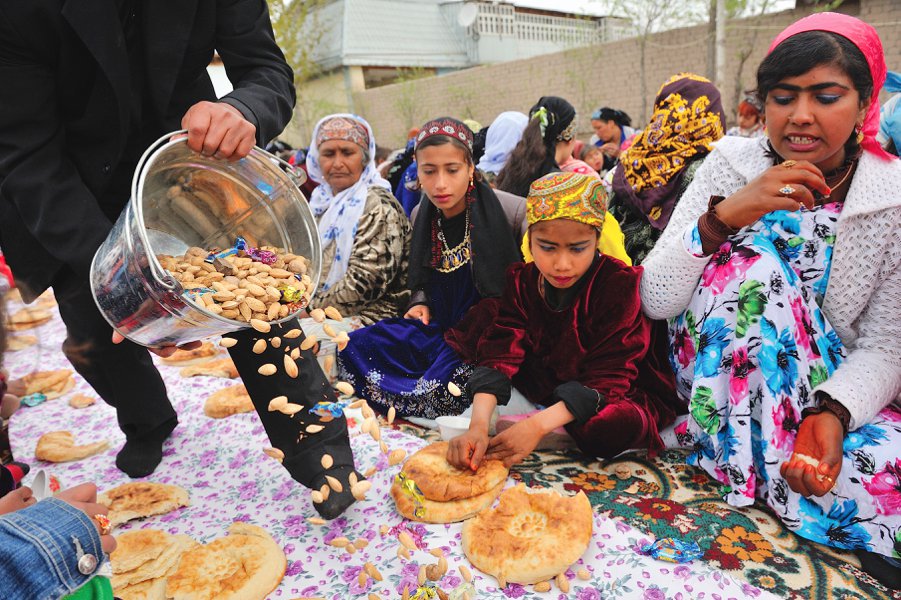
(38, 550)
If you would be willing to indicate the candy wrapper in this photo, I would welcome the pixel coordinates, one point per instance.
(673, 550)
(409, 487)
(34, 399)
(335, 409)
(424, 592)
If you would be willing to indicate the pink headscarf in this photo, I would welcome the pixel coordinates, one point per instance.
(867, 41)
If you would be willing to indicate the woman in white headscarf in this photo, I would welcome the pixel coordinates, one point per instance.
(503, 135)
(364, 232)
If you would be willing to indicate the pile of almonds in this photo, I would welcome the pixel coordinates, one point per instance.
(239, 287)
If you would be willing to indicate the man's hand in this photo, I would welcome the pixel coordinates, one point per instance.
(820, 437)
(219, 129)
(516, 442)
(165, 351)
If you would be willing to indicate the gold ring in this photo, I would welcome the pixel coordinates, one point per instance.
(786, 190)
(789, 163)
(104, 523)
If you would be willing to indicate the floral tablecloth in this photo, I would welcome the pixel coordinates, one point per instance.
(221, 464)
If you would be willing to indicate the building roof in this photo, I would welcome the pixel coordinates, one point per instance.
(389, 33)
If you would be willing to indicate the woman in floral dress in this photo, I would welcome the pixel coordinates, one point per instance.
(780, 273)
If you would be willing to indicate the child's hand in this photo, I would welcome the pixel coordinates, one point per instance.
(420, 312)
(516, 442)
(467, 451)
(16, 500)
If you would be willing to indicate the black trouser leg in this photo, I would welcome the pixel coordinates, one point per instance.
(303, 452)
(122, 374)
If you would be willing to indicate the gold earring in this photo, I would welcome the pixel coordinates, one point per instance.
(860, 135)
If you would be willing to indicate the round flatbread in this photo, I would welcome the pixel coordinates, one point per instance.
(221, 367)
(52, 384)
(531, 536)
(452, 511)
(182, 357)
(139, 499)
(247, 564)
(20, 342)
(28, 317)
(228, 401)
(440, 481)
(59, 446)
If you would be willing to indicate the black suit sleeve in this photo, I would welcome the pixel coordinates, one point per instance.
(36, 176)
(263, 80)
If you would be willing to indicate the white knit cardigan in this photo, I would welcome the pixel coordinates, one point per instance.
(863, 298)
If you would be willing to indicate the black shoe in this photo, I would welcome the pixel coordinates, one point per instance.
(141, 455)
(883, 569)
(337, 502)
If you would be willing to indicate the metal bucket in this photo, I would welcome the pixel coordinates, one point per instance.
(180, 199)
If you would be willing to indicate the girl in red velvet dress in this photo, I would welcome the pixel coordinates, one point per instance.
(569, 333)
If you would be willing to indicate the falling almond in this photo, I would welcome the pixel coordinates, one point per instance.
(352, 479)
(316, 495)
(376, 433)
(356, 404)
(325, 490)
(359, 489)
(261, 326)
(454, 389)
(339, 542)
(227, 342)
(332, 313)
(275, 453)
(397, 456)
(295, 354)
(370, 472)
(316, 521)
(329, 330)
(259, 347)
(318, 315)
(308, 342)
(278, 403)
(276, 342)
(383, 446)
(314, 428)
(290, 366)
(345, 388)
(392, 413)
(290, 409)
(267, 369)
(293, 334)
(327, 461)
(328, 363)
(334, 484)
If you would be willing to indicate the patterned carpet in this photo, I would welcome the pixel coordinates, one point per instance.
(665, 497)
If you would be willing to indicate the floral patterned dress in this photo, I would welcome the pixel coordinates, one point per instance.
(748, 351)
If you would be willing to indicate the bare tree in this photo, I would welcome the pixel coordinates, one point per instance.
(651, 16)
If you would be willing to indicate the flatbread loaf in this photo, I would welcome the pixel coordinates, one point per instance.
(223, 367)
(27, 318)
(139, 499)
(451, 511)
(81, 401)
(182, 357)
(247, 564)
(142, 561)
(228, 401)
(59, 446)
(20, 342)
(440, 481)
(531, 536)
(52, 384)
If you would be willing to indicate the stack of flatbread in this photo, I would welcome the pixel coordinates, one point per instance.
(139, 499)
(20, 342)
(228, 401)
(448, 494)
(531, 536)
(28, 318)
(221, 367)
(142, 561)
(181, 357)
(59, 446)
(52, 384)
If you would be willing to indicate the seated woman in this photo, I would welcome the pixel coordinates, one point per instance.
(569, 333)
(503, 135)
(612, 132)
(653, 173)
(364, 232)
(463, 243)
(781, 272)
(750, 117)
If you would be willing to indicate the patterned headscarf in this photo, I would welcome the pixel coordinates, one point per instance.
(343, 128)
(570, 196)
(688, 117)
(446, 126)
(339, 213)
(503, 135)
(867, 41)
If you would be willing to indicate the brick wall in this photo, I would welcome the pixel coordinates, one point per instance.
(602, 75)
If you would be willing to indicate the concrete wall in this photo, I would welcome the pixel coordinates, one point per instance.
(607, 74)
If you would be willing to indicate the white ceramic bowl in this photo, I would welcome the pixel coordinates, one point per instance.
(451, 427)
